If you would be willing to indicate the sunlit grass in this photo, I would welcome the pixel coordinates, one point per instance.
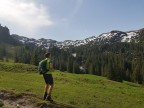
(80, 90)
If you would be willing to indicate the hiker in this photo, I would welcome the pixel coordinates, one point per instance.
(48, 78)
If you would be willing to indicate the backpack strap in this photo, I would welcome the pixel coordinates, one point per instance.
(47, 63)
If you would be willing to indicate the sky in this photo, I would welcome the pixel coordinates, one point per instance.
(70, 19)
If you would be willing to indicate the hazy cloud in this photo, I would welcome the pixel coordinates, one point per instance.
(24, 13)
(77, 7)
(65, 22)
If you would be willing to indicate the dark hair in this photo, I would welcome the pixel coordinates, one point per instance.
(47, 55)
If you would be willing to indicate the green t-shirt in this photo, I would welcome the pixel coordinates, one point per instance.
(48, 65)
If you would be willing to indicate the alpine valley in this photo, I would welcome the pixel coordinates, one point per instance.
(117, 55)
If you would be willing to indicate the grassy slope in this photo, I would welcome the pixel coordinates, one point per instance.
(75, 89)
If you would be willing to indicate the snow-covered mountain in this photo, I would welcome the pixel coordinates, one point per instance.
(118, 36)
(113, 36)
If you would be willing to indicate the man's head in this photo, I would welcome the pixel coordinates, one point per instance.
(47, 55)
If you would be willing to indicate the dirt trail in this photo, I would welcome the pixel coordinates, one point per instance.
(12, 100)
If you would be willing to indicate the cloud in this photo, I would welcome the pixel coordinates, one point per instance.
(24, 13)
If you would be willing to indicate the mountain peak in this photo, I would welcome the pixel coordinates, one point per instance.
(109, 37)
(5, 36)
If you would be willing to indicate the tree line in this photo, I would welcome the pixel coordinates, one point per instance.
(116, 61)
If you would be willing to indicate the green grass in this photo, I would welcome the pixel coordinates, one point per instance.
(17, 67)
(80, 90)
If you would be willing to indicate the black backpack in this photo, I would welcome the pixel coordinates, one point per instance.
(42, 67)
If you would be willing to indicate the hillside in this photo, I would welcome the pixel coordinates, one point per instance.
(24, 87)
(116, 55)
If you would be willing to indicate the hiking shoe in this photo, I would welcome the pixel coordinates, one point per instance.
(45, 95)
(48, 98)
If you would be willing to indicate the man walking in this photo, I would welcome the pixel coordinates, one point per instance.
(46, 71)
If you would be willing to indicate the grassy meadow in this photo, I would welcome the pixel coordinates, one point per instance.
(78, 90)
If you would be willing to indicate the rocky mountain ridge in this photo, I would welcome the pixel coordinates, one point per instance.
(113, 36)
(109, 37)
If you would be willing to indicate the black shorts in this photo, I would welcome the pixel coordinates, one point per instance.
(48, 79)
